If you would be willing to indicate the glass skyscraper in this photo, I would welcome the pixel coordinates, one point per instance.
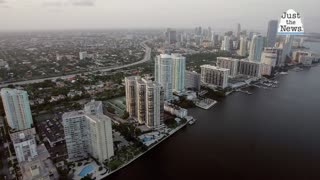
(170, 73)
(272, 33)
(163, 74)
(256, 48)
(178, 72)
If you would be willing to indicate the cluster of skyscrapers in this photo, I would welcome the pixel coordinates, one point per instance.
(264, 55)
(87, 132)
(266, 50)
(227, 67)
(145, 99)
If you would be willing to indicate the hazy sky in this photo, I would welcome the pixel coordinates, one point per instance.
(91, 14)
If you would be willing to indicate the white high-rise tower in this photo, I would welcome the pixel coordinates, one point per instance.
(88, 132)
(17, 108)
(178, 72)
(163, 74)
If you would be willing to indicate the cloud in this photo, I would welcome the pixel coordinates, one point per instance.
(4, 4)
(67, 3)
(83, 2)
(53, 4)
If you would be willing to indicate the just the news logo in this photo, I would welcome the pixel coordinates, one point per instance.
(290, 23)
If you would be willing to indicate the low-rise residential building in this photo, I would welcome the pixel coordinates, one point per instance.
(175, 110)
(306, 60)
(73, 94)
(57, 98)
(3, 64)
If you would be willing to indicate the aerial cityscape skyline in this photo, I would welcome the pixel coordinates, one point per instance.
(94, 89)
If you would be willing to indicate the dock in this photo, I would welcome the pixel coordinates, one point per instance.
(206, 103)
(246, 92)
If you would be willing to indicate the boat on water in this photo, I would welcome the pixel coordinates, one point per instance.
(297, 69)
(284, 73)
(191, 122)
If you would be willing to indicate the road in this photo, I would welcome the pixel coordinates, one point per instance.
(147, 57)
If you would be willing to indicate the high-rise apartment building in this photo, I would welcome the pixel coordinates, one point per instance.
(171, 36)
(214, 39)
(225, 46)
(256, 47)
(287, 45)
(170, 73)
(130, 83)
(272, 56)
(243, 46)
(147, 103)
(214, 76)
(249, 68)
(140, 100)
(228, 63)
(238, 31)
(272, 33)
(163, 74)
(76, 135)
(17, 108)
(154, 105)
(192, 80)
(88, 132)
(265, 69)
(178, 72)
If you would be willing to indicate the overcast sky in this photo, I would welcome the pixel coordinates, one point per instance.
(101, 14)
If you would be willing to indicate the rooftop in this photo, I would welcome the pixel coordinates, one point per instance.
(247, 61)
(165, 56)
(73, 114)
(23, 135)
(132, 77)
(98, 118)
(214, 67)
(12, 91)
(40, 167)
(227, 58)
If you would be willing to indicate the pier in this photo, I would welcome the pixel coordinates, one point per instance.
(246, 92)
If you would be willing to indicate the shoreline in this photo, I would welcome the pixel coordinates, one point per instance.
(150, 148)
